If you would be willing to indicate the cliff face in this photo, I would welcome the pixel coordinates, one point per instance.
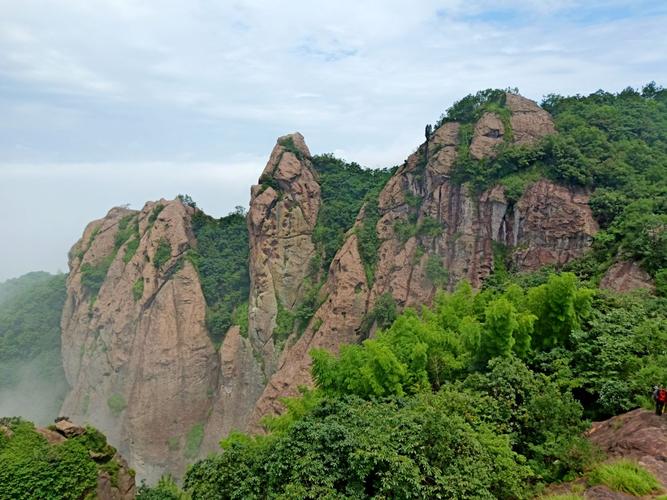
(434, 232)
(282, 216)
(136, 351)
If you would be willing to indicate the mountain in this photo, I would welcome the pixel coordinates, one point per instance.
(140, 335)
(178, 328)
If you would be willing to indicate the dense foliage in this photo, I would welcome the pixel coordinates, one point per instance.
(506, 376)
(30, 467)
(221, 258)
(344, 188)
(30, 310)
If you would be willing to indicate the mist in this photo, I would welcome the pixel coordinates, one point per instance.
(31, 393)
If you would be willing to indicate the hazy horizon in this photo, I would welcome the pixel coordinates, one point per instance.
(126, 102)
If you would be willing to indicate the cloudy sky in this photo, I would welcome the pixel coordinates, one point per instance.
(108, 102)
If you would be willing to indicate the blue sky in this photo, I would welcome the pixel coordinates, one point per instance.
(107, 102)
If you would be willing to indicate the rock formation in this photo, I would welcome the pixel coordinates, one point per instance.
(135, 346)
(282, 216)
(625, 276)
(435, 232)
(136, 352)
(115, 479)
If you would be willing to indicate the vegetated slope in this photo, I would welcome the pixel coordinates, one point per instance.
(429, 229)
(32, 381)
(473, 397)
(500, 187)
(62, 461)
(543, 349)
(221, 259)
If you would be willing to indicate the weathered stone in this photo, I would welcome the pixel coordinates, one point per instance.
(639, 435)
(529, 122)
(281, 222)
(134, 366)
(552, 224)
(68, 429)
(336, 322)
(488, 135)
(625, 276)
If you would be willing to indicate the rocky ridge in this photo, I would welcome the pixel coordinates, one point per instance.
(453, 233)
(136, 351)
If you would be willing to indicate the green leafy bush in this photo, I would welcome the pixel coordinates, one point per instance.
(30, 311)
(138, 289)
(356, 449)
(165, 489)
(221, 259)
(30, 467)
(344, 187)
(162, 253)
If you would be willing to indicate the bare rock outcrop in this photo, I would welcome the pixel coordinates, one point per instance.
(552, 224)
(434, 232)
(283, 213)
(335, 323)
(625, 276)
(135, 348)
(488, 135)
(639, 435)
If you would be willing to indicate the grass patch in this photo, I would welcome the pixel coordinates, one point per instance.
(193, 441)
(162, 253)
(138, 289)
(117, 404)
(625, 476)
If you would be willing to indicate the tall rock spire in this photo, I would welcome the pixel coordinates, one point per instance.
(282, 217)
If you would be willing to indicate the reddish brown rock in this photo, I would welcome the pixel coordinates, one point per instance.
(122, 488)
(434, 233)
(283, 213)
(336, 322)
(625, 276)
(240, 383)
(488, 135)
(637, 435)
(529, 122)
(551, 225)
(135, 364)
(68, 429)
(52, 437)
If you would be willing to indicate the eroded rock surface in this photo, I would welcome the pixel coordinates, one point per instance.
(283, 213)
(136, 352)
(434, 233)
(625, 276)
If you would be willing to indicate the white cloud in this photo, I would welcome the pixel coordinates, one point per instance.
(198, 82)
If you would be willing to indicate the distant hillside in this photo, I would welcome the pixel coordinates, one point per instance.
(32, 381)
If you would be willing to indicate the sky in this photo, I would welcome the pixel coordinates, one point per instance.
(114, 102)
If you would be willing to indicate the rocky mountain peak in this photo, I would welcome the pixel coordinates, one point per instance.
(282, 216)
